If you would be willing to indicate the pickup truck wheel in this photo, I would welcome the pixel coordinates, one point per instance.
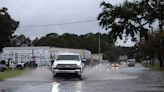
(79, 75)
(2, 70)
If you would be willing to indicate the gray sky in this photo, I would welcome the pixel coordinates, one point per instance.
(45, 12)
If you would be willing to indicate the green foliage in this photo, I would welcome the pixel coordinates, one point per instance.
(88, 41)
(131, 18)
(154, 46)
(114, 52)
(7, 27)
(20, 40)
(156, 67)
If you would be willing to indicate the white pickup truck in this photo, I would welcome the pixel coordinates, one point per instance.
(68, 63)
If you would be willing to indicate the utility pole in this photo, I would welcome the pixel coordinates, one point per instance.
(33, 57)
(99, 45)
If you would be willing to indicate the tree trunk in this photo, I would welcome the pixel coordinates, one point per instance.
(161, 63)
(153, 61)
(160, 58)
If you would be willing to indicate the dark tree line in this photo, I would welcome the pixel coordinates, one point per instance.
(88, 41)
(153, 48)
(20, 40)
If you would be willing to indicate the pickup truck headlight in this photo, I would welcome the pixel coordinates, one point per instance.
(80, 65)
(54, 65)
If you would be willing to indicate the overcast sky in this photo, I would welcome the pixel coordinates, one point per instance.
(46, 12)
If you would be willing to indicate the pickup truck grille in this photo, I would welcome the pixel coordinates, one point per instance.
(66, 66)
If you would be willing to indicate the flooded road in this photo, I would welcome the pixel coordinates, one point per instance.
(100, 78)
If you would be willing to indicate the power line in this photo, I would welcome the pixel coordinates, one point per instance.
(67, 23)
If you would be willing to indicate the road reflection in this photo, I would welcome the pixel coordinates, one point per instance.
(122, 78)
(78, 86)
(115, 68)
(67, 84)
(55, 87)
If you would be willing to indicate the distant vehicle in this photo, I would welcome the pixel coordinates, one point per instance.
(3, 68)
(68, 63)
(20, 65)
(12, 64)
(115, 64)
(131, 62)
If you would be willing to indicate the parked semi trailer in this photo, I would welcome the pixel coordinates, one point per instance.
(84, 54)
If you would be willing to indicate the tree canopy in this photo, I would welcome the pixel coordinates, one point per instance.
(7, 27)
(153, 47)
(20, 40)
(88, 41)
(136, 18)
(131, 18)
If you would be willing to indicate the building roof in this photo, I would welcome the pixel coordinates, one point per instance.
(26, 48)
(67, 53)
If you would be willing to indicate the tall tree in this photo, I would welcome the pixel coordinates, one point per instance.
(131, 18)
(20, 40)
(152, 47)
(7, 27)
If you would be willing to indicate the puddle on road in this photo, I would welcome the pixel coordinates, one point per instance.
(98, 72)
(55, 87)
(105, 72)
(39, 74)
(67, 87)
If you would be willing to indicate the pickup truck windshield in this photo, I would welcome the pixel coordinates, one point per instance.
(68, 57)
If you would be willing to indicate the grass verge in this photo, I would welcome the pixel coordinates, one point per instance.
(156, 67)
(9, 73)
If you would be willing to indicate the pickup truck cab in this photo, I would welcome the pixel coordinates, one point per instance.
(68, 63)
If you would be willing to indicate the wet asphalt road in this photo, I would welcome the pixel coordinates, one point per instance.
(100, 78)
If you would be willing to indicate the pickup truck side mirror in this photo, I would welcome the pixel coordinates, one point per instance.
(84, 60)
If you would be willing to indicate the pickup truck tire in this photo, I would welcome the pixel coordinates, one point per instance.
(54, 75)
(79, 75)
(2, 70)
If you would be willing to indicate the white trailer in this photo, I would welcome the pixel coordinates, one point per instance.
(0, 56)
(40, 55)
(85, 54)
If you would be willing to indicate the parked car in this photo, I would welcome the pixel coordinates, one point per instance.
(3, 68)
(131, 62)
(68, 63)
(20, 65)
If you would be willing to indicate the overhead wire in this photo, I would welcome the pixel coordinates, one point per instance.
(66, 23)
